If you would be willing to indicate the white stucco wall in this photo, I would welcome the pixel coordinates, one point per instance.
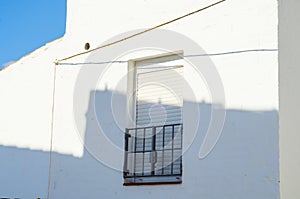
(244, 162)
(25, 117)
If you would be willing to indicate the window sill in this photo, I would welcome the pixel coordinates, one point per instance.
(150, 183)
(153, 180)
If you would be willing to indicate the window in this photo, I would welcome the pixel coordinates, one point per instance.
(153, 139)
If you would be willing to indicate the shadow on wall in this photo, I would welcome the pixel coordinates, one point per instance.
(243, 164)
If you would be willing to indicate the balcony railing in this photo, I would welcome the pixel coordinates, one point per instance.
(153, 154)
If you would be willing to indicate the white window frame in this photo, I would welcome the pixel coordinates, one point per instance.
(131, 115)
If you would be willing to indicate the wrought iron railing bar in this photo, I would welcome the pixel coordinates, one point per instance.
(148, 151)
(144, 151)
(153, 151)
(181, 148)
(138, 128)
(157, 175)
(135, 140)
(126, 135)
(172, 149)
(163, 150)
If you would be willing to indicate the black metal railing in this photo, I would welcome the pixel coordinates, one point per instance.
(153, 151)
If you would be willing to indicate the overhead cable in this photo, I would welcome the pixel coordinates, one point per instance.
(140, 33)
(191, 56)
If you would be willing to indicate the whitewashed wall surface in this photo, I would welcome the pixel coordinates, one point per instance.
(229, 101)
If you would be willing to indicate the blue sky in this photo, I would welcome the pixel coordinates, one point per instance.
(26, 25)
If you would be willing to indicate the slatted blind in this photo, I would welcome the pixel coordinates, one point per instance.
(159, 102)
(159, 96)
